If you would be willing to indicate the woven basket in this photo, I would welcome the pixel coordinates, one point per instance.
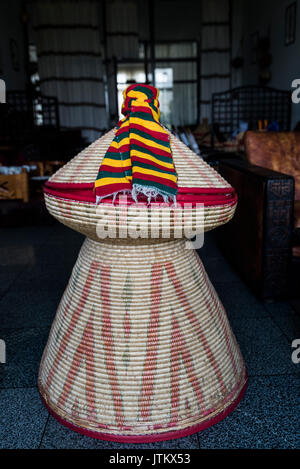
(69, 193)
(141, 348)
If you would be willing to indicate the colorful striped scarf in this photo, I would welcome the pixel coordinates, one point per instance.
(139, 159)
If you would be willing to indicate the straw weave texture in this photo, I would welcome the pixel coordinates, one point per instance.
(192, 171)
(141, 343)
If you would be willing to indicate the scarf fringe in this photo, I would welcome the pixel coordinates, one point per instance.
(150, 192)
(113, 195)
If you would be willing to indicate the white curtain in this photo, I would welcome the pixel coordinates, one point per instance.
(184, 93)
(215, 52)
(70, 62)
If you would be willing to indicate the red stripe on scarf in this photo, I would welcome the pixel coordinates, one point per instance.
(115, 169)
(155, 134)
(143, 160)
(146, 177)
(112, 188)
(158, 151)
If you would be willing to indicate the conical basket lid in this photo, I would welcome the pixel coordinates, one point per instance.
(197, 181)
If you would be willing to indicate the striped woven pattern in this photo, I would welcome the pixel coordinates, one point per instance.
(141, 345)
(192, 171)
(139, 159)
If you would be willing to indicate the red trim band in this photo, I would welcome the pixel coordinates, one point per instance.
(154, 437)
(84, 192)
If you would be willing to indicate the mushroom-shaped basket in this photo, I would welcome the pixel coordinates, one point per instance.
(141, 348)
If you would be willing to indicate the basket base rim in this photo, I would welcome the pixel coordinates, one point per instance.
(154, 437)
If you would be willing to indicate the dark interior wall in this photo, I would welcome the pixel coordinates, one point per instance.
(268, 17)
(177, 19)
(238, 12)
(173, 19)
(12, 44)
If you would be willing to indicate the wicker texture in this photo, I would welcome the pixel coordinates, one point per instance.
(140, 344)
(192, 171)
(84, 217)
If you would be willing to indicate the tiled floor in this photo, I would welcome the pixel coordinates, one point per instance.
(35, 264)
